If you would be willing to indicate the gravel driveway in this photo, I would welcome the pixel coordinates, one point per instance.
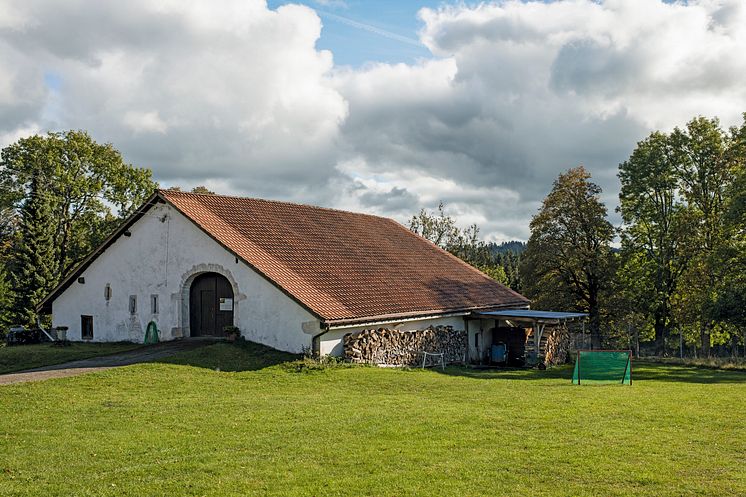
(143, 354)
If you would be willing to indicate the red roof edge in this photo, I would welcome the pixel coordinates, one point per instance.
(434, 313)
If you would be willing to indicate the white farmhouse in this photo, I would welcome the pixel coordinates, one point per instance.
(289, 276)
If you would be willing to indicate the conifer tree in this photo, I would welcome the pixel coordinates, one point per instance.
(6, 301)
(35, 255)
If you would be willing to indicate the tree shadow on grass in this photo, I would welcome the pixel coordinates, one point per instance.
(641, 371)
(524, 374)
(232, 357)
(644, 370)
(250, 356)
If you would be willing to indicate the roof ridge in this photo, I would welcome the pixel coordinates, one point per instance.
(166, 191)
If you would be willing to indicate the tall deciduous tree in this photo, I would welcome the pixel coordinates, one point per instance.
(705, 165)
(437, 227)
(441, 229)
(34, 273)
(568, 259)
(656, 226)
(730, 302)
(90, 188)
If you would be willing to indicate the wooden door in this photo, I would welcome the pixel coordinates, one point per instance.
(210, 305)
(206, 323)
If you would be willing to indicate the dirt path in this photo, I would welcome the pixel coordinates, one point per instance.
(143, 354)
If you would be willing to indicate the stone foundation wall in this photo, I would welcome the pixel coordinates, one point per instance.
(403, 348)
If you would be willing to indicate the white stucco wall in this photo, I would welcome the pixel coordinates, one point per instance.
(479, 350)
(164, 253)
(331, 342)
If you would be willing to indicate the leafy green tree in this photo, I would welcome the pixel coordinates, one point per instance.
(657, 226)
(90, 188)
(202, 189)
(704, 165)
(442, 230)
(510, 260)
(729, 304)
(568, 259)
(496, 272)
(628, 300)
(438, 227)
(34, 272)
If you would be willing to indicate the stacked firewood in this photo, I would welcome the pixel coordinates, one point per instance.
(404, 348)
(557, 346)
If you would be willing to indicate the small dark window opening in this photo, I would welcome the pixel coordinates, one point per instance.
(107, 292)
(133, 304)
(154, 304)
(86, 327)
(476, 340)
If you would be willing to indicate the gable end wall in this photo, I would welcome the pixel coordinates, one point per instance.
(162, 258)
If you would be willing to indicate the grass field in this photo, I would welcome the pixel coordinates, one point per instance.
(22, 357)
(297, 429)
(734, 363)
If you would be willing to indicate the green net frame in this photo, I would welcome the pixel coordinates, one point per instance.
(593, 367)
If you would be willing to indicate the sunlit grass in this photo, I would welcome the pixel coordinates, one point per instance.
(290, 428)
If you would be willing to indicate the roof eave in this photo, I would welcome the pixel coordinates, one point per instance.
(426, 314)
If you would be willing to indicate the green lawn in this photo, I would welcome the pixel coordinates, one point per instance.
(20, 357)
(298, 430)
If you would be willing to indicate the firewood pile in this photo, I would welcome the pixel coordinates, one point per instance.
(557, 346)
(403, 348)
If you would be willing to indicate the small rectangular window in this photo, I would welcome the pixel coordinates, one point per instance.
(154, 304)
(86, 327)
(133, 304)
(476, 340)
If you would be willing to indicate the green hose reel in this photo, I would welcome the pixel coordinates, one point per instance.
(151, 333)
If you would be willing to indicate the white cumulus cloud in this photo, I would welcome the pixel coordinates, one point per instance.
(517, 92)
(236, 96)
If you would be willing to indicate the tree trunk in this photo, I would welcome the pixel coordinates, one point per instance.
(704, 334)
(660, 334)
(594, 324)
(594, 312)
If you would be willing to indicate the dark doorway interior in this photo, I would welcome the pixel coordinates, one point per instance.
(210, 305)
(515, 340)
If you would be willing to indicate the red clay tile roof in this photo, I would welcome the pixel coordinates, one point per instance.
(343, 266)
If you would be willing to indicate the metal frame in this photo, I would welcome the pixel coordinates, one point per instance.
(434, 354)
(629, 361)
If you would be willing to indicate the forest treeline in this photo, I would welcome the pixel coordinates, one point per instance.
(673, 272)
(675, 267)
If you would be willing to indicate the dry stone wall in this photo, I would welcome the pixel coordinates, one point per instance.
(404, 348)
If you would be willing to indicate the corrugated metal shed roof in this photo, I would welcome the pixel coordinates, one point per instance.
(533, 315)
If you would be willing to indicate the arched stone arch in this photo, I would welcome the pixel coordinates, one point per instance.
(181, 298)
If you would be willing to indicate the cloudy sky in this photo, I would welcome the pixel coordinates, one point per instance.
(384, 106)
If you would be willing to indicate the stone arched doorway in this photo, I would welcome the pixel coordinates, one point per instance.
(210, 305)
